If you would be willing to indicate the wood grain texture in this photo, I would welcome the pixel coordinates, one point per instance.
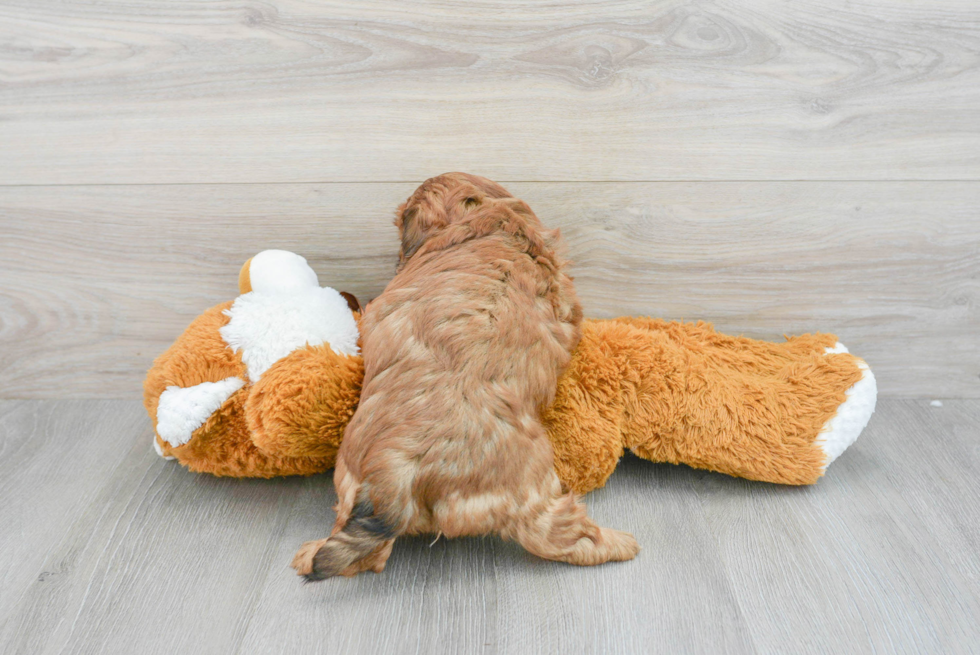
(43, 449)
(139, 91)
(881, 557)
(154, 560)
(96, 281)
(132, 553)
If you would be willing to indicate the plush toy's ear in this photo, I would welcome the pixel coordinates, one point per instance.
(245, 278)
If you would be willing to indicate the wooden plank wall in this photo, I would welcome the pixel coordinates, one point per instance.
(126, 91)
(771, 167)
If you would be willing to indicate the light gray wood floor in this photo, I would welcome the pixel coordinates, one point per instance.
(107, 548)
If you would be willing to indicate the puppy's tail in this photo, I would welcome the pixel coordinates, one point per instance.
(365, 534)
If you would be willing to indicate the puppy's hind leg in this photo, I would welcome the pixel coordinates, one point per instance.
(360, 540)
(363, 543)
(560, 529)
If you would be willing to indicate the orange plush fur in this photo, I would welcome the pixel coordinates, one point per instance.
(667, 391)
(293, 421)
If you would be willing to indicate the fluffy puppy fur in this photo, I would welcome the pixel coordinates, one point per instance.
(461, 352)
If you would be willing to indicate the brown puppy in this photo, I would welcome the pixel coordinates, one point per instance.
(461, 352)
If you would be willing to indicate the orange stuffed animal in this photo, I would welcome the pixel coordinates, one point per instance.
(264, 385)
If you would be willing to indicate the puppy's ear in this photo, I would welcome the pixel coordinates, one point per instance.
(416, 223)
(439, 202)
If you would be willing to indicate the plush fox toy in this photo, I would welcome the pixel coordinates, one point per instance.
(264, 385)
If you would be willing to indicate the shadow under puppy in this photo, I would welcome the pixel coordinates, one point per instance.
(462, 351)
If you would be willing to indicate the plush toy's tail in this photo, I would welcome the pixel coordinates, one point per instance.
(362, 544)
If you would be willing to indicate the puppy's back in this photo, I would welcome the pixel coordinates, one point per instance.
(461, 352)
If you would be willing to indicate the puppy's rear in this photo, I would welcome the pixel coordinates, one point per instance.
(461, 352)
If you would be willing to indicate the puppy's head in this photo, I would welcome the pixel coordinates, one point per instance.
(439, 202)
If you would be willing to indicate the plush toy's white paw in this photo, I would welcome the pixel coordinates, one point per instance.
(852, 416)
(183, 410)
(159, 451)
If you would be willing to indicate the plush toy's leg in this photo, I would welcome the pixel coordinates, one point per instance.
(158, 449)
(181, 411)
(303, 402)
(191, 379)
(223, 446)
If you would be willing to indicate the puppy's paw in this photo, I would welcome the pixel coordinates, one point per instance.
(303, 560)
(619, 546)
(374, 562)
